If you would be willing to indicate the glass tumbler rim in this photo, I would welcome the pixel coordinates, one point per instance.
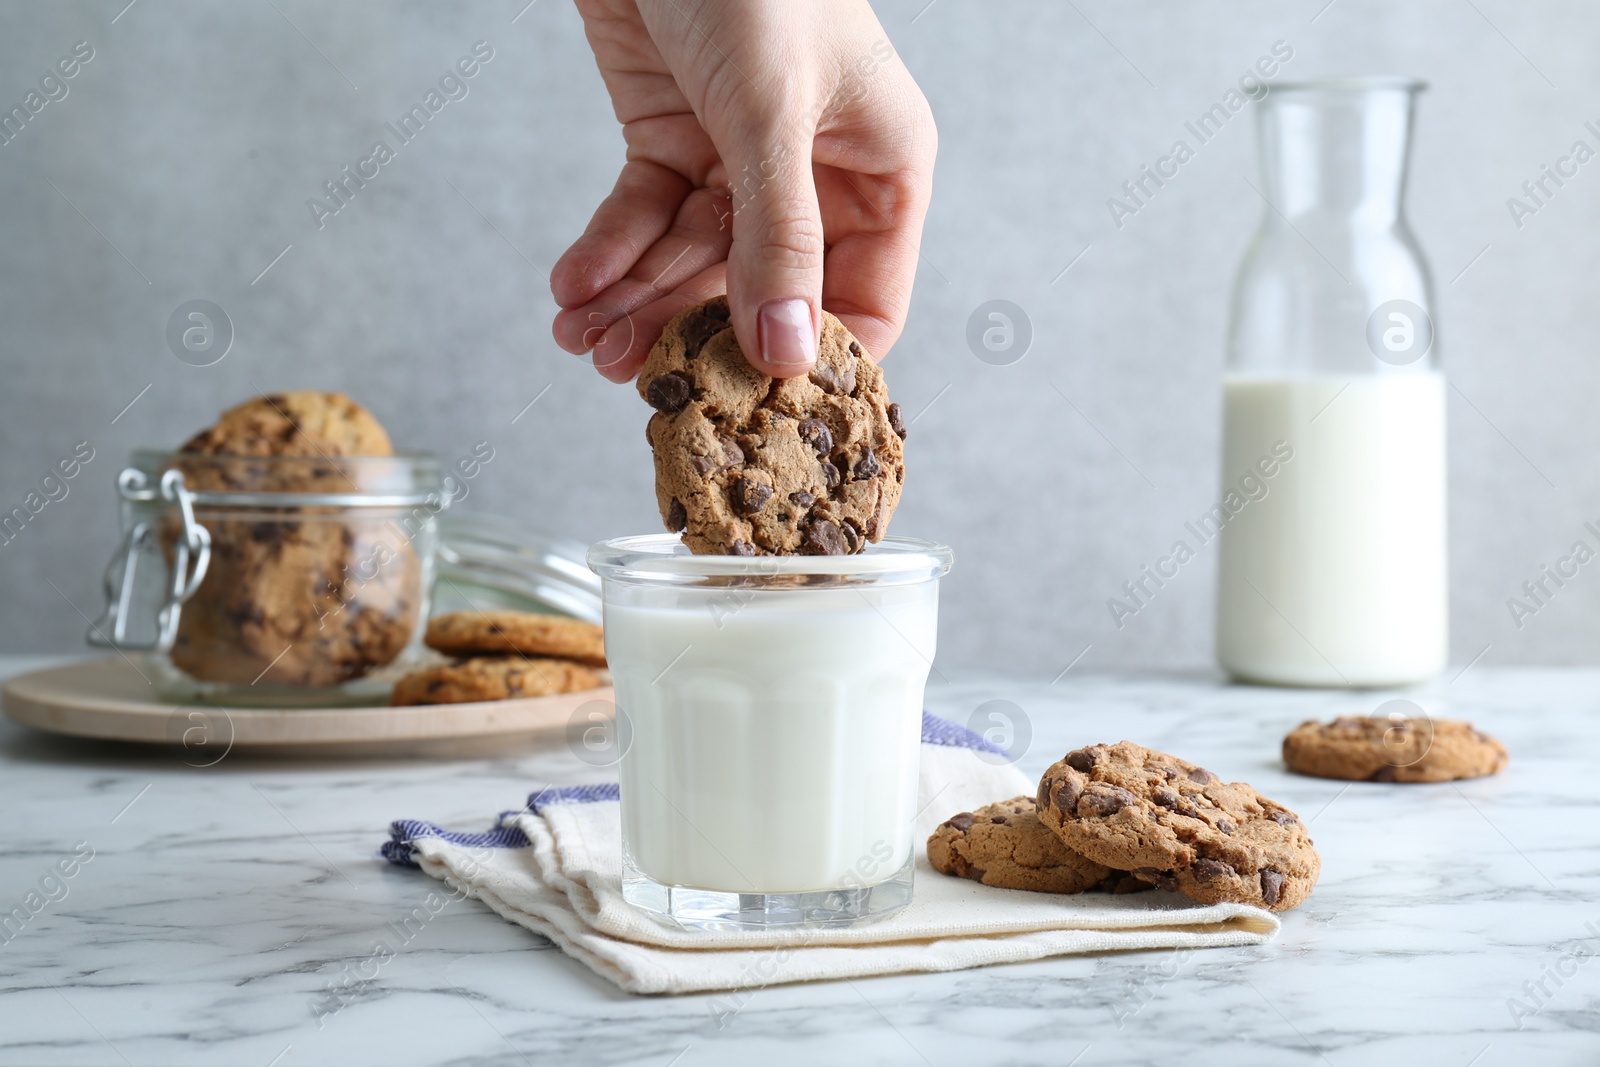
(1365, 83)
(663, 560)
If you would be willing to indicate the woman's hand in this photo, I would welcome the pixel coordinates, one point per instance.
(778, 150)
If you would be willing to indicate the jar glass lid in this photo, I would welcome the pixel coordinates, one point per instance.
(487, 562)
(403, 480)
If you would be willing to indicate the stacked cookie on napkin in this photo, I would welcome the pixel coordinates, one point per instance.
(1120, 817)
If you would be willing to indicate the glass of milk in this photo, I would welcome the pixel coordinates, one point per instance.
(771, 713)
(1332, 507)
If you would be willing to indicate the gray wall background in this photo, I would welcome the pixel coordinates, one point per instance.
(194, 137)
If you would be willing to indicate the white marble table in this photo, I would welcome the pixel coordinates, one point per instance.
(222, 902)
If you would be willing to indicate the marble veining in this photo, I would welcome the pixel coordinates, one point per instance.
(239, 914)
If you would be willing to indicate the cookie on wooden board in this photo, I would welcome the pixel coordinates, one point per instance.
(492, 678)
(472, 633)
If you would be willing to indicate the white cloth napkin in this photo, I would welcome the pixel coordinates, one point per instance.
(555, 867)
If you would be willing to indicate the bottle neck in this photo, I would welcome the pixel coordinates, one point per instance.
(1336, 155)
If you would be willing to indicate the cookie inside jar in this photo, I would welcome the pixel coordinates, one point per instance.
(321, 541)
(299, 597)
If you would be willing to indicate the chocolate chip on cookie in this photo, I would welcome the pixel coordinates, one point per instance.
(748, 496)
(867, 467)
(1380, 749)
(836, 379)
(822, 537)
(815, 433)
(1178, 826)
(702, 328)
(751, 465)
(669, 392)
(1005, 845)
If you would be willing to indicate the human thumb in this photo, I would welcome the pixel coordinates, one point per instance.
(775, 262)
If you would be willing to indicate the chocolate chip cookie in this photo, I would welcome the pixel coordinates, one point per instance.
(1379, 749)
(750, 465)
(1005, 845)
(492, 678)
(312, 603)
(298, 596)
(1178, 826)
(303, 423)
(468, 633)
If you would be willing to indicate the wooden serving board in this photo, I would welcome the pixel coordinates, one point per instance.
(107, 699)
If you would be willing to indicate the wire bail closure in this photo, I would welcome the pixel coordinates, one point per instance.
(191, 557)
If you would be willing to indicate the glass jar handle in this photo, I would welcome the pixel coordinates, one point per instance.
(191, 556)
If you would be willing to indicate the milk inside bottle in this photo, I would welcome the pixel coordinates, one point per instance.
(1337, 575)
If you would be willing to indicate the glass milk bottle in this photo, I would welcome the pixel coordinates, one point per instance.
(1332, 513)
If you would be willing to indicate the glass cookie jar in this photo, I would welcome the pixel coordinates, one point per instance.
(279, 581)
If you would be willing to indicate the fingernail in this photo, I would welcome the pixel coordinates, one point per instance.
(788, 338)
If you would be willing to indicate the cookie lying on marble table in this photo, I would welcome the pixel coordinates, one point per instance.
(1378, 749)
(1178, 826)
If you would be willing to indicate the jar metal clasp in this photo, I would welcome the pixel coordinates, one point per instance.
(191, 556)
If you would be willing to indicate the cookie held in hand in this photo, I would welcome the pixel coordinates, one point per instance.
(1178, 826)
(1005, 845)
(1378, 749)
(750, 465)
